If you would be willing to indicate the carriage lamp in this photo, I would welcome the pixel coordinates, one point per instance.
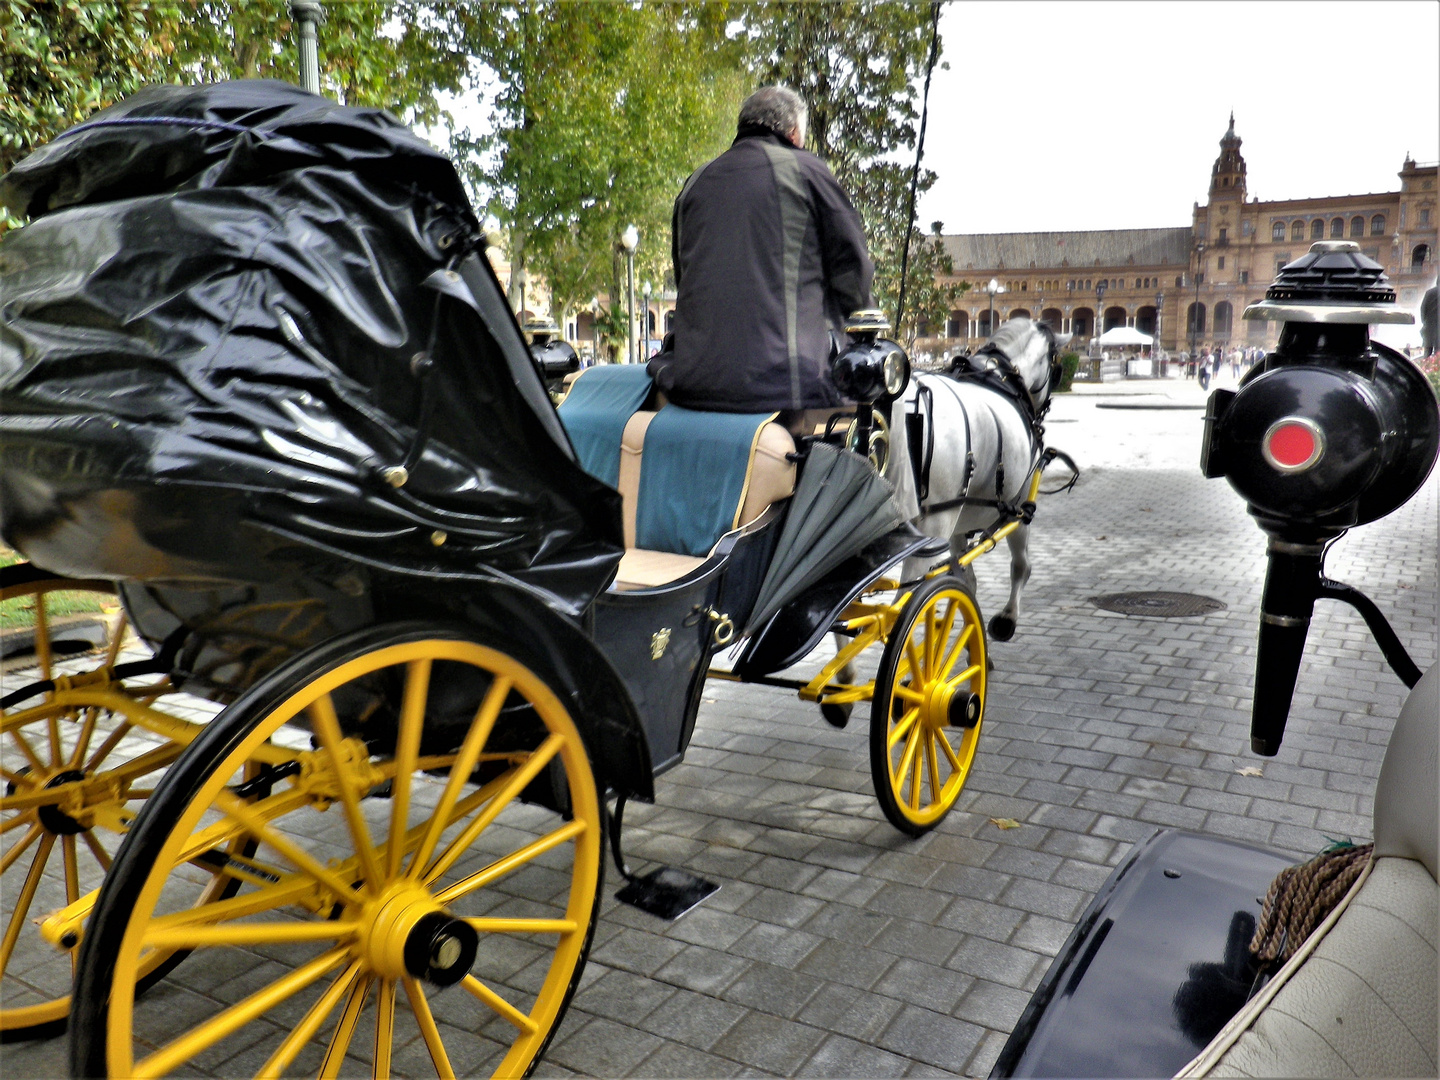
(872, 366)
(553, 355)
(1330, 431)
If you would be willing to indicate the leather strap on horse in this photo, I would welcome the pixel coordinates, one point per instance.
(1301, 896)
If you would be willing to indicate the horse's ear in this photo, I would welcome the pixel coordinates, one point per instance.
(1062, 340)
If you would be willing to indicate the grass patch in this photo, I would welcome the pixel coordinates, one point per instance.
(19, 613)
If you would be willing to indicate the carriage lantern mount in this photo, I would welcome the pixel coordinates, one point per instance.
(1331, 431)
(871, 366)
(554, 356)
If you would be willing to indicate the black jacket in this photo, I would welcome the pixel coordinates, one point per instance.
(769, 257)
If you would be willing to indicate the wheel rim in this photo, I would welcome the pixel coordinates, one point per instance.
(933, 702)
(73, 777)
(416, 890)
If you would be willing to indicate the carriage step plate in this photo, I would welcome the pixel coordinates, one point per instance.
(667, 892)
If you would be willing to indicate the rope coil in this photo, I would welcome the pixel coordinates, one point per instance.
(1301, 896)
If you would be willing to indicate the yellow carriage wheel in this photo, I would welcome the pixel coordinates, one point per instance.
(420, 894)
(928, 706)
(74, 776)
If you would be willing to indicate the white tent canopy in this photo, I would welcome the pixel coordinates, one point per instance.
(1124, 335)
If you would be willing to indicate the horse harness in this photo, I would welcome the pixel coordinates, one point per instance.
(998, 373)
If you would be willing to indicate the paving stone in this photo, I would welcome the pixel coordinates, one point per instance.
(770, 1043)
(839, 1056)
(931, 1037)
(693, 1019)
(706, 970)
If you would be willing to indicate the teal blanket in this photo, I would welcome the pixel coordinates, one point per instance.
(692, 478)
(595, 412)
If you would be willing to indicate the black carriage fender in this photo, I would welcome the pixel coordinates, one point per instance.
(562, 653)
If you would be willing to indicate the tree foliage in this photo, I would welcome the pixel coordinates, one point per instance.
(61, 60)
(600, 112)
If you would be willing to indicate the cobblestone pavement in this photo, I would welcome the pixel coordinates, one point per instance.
(838, 947)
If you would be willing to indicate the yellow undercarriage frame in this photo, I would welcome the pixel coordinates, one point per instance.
(381, 895)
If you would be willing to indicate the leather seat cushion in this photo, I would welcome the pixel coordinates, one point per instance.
(641, 568)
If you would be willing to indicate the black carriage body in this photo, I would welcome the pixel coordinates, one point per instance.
(1155, 967)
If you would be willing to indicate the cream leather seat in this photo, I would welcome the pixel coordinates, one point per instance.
(770, 478)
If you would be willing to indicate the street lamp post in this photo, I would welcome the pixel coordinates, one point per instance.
(629, 240)
(992, 288)
(1069, 305)
(1099, 327)
(1195, 307)
(308, 14)
(645, 326)
(1159, 316)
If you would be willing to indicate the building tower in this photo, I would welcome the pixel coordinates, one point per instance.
(1228, 175)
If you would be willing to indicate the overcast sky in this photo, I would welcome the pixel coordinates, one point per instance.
(1109, 115)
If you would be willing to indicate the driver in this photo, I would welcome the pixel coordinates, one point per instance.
(769, 259)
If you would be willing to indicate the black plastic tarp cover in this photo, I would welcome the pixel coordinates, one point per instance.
(243, 336)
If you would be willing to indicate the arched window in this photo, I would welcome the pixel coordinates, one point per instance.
(670, 320)
(1195, 319)
(1297, 230)
(650, 323)
(1337, 229)
(1114, 316)
(1357, 226)
(1277, 232)
(1377, 225)
(1223, 314)
(1317, 230)
(1082, 322)
(1419, 256)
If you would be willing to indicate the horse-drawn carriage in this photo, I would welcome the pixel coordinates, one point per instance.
(404, 633)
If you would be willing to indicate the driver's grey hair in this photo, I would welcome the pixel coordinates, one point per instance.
(778, 108)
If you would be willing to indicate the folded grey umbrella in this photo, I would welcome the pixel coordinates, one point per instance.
(839, 507)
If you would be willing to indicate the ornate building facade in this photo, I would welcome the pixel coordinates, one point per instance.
(1189, 284)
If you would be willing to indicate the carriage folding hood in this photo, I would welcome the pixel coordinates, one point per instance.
(243, 339)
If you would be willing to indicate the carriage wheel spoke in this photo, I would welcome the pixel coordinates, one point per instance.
(111, 741)
(42, 636)
(117, 638)
(915, 769)
(904, 693)
(465, 762)
(206, 1035)
(516, 859)
(485, 925)
(902, 726)
(18, 848)
(384, 1028)
(407, 749)
(950, 754)
(515, 782)
(426, 1021)
(517, 1018)
(954, 652)
(327, 727)
(345, 1029)
(294, 1042)
(969, 673)
(97, 849)
(72, 869)
(57, 744)
(244, 935)
(907, 759)
(918, 672)
(82, 741)
(932, 763)
(24, 899)
(29, 751)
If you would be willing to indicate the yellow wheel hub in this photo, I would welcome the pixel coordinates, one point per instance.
(406, 933)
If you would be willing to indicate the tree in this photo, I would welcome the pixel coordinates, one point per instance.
(61, 60)
(601, 110)
(855, 62)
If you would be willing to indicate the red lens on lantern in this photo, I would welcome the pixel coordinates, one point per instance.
(1292, 445)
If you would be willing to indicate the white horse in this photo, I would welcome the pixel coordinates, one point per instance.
(981, 443)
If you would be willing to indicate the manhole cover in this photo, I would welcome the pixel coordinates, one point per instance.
(1159, 605)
